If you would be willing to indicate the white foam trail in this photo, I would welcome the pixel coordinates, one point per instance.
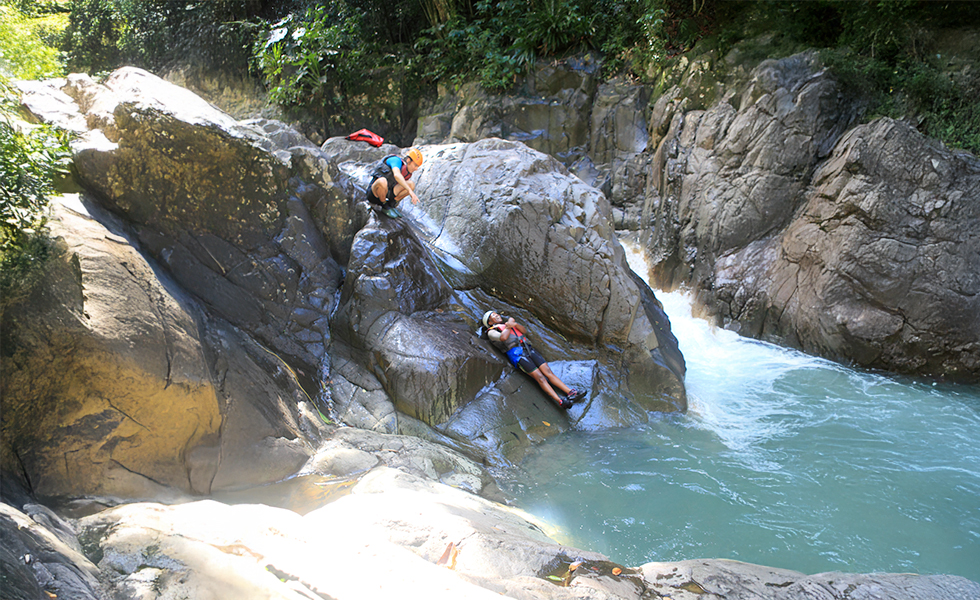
(729, 378)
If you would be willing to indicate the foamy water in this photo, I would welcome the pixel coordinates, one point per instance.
(783, 459)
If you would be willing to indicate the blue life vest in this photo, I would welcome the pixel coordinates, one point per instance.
(515, 353)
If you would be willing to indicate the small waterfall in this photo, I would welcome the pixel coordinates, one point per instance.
(783, 459)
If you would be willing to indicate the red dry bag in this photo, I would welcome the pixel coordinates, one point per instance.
(366, 136)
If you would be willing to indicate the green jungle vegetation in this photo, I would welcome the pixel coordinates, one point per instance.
(312, 54)
(31, 156)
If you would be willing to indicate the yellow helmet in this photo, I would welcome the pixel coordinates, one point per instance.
(416, 156)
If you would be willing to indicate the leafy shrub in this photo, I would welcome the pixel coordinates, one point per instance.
(502, 39)
(24, 54)
(104, 34)
(554, 26)
(882, 54)
(317, 48)
(393, 23)
(615, 29)
(879, 30)
(653, 47)
(91, 40)
(28, 164)
(943, 107)
(309, 59)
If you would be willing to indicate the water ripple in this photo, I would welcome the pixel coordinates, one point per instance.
(783, 459)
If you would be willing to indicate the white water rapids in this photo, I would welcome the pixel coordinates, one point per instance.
(783, 459)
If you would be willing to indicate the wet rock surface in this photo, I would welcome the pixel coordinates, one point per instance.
(392, 533)
(728, 174)
(295, 301)
(245, 300)
(501, 227)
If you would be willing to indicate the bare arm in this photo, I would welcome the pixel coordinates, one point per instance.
(400, 179)
(513, 325)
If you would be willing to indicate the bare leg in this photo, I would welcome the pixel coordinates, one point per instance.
(543, 382)
(558, 383)
(380, 189)
(401, 191)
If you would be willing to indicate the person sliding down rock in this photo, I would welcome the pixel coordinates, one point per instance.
(390, 182)
(511, 339)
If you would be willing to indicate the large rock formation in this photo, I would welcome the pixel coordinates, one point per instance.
(498, 221)
(880, 266)
(740, 183)
(856, 247)
(115, 383)
(392, 534)
(235, 295)
(210, 198)
(529, 235)
(247, 225)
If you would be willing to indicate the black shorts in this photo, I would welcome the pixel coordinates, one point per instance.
(374, 199)
(530, 360)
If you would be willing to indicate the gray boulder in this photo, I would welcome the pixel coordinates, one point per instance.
(527, 233)
(416, 288)
(400, 315)
(254, 222)
(117, 384)
(857, 247)
(882, 264)
(396, 534)
(212, 199)
(40, 557)
(726, 177)
(729, 174)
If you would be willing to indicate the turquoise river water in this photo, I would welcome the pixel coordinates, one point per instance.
(783, 459)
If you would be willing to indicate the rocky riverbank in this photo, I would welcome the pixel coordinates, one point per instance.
(754, 186)
(228, 319)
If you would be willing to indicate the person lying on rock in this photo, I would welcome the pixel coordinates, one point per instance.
(511, 338)
(390, 182)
